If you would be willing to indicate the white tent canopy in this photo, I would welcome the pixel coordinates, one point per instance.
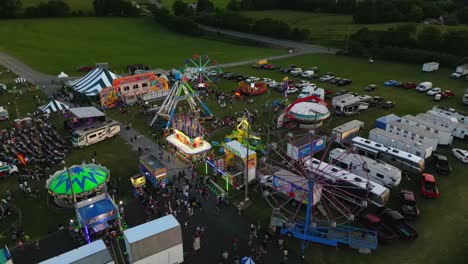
(53, 106)
(62, 75)
(20, 80)
(93, 82)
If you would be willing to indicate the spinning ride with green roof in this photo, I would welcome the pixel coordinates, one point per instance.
(86, 179)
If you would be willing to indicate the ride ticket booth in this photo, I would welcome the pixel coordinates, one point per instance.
(154, 170)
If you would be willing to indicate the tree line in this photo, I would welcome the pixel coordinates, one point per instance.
(59, 8)
(406, 43)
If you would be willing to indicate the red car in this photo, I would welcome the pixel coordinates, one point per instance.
(447, 94)
(428, 186)
(269, 66)
(408, 85)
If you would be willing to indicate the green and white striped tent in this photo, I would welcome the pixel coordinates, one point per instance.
(53, 106)
(93, 82)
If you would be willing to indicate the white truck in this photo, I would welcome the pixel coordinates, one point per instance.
(95, 133)
(460, 71)
(7, 170)
(3, 114)
(465, 97)
(306, 91)
(307, 74)
(424, 86)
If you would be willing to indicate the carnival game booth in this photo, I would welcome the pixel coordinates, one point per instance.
(252, 88)
(87, 180)
(132, 88)
(154, 170)
(96, 215)
(186, 139)
(138, 181)
(95, 252)
(232, 167)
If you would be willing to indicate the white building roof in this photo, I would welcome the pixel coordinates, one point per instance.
(86, 251)
(86, 112)
(417, 130)
(151, 228)
(427, 123)
(396, 137)
(236, 147)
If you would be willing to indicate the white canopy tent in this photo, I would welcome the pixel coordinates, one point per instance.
(62, 75)
(20, 80)
(53, 106)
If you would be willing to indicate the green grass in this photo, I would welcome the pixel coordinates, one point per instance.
(55, 45)
(75, 5)
(326, 29)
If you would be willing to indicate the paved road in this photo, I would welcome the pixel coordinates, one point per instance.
(23, 70)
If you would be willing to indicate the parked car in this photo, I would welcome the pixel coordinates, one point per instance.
(291, 90)
(312, 77)
(441, 164)
(397, 223)
(7, 170)
(273, 84)
(267, 80)
(460, 154)
(340, 92)
(434, 91)
(306, 74)
(344, 82)
(296, 72)
(408, 85)
(409, 209)
(370, 88)
(391, 83)
(335, 80)
(373, 222)
(231, 76)
(288, 68)
(269, 66)
(326, 78)
(444, 95)
(315, 69)
(330, 74)
(84, 68)
(388, 105)
(376, 100)
(424, 86)
(428, 186)
(303, 83)
(252, 79)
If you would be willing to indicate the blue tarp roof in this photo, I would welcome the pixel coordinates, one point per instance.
(388, 118)
(98, 208)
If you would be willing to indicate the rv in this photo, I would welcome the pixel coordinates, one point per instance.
(376, 170)
(95, 133)
(395, 157)
(348, 104)
(460, 116)
(405, 144)
(458, 130)
(443, 133)
(416, 134)
(347, 130)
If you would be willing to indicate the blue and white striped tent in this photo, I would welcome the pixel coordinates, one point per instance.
(93, 82)
(53, 106)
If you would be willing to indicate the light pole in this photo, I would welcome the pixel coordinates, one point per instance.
(70, 181)
(246, 178)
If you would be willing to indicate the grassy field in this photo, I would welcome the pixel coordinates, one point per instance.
(326, 29)
(65, 44)
(75, 5)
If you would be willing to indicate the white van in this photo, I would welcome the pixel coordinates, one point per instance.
(424, 86)
(3, 114)
(377, 171)
(306, 91)
(307, 74)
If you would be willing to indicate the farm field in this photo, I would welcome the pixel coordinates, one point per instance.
(65, 44)
(327, 29)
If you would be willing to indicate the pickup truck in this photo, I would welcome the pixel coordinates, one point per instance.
(397, 223)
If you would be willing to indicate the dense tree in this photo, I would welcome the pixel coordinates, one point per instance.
(205, 6)
(234, 5)
(179, 7)
(430, 38)
(115, 8)
(9, 8)
(456, 41)
(463, 15)
(415, 13)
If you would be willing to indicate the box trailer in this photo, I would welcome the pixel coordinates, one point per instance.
(430, 66)
(398, 142)
(303, 147)
(465, 97)
(460, 71)
(443, 133)
(347, 130)
(462, 117)
(158, 241)
(382, 122)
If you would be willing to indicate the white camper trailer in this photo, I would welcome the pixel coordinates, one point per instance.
(377, 171)
(458, 130)
(462, 117)
(349, 104)
(93, 134)
(405, 144)
(443, 133)
(416, 134)
(352, 128)
(395, 157)
(430, 66)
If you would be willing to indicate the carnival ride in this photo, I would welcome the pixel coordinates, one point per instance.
(332, 197)
(181, 91)
(307, 110)
(256, 88)
(199, 68)
(243, 134)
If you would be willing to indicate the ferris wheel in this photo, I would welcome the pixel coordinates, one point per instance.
(200, 68)
(309, 189)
